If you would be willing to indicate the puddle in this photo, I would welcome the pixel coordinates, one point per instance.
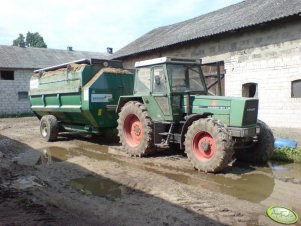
(96, 155)
(98, 148)
(249, 183)
(172, 168)
(53, 154)
(289, 170)
(98, 187)
(252, 187)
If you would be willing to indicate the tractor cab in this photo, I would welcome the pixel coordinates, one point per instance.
(166, 82)
(169, 75)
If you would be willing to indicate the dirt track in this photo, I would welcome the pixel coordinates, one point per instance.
(79, 180)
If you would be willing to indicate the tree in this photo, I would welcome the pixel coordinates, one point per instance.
(35, 40)
(32, 40)
(20, 41)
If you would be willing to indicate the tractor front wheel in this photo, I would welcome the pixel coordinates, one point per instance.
(209, 145)
(135, 129)
(262, 150)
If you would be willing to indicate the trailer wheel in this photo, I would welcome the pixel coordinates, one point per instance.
(49, 128)
(135, 129)
(262, 150)
(208, 145)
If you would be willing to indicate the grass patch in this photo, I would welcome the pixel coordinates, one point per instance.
(287, 154)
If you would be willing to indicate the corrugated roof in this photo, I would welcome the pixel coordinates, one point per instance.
(35, 58)
(244, 14)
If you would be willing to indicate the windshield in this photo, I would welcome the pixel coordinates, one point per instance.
(185, 78)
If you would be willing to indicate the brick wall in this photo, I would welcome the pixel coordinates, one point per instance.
(269, 55)
(274, 74)
(10, 102)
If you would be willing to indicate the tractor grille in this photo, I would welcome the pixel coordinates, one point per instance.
(250, 112)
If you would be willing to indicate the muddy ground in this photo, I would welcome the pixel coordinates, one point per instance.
(82, 180)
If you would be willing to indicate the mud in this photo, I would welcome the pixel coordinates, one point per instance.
(98, 186)
(78, 180)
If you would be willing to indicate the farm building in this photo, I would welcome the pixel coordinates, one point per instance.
(257, 45)
(16, 68)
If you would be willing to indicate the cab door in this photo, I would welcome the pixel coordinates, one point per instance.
(160, 91)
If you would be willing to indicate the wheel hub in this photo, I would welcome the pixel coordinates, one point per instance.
(137, 130)
(204, 146)
(44, 130)
(132, 130)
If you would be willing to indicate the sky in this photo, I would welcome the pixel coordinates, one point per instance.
(94, 25)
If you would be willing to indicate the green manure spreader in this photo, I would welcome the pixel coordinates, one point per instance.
(79, 96)
(168, 105)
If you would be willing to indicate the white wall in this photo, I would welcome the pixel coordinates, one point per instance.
(274, 71)
(9, 101)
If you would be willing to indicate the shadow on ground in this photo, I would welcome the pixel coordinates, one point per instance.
(61, 192)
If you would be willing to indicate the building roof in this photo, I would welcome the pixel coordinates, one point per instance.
(35, 58)
(241, 15)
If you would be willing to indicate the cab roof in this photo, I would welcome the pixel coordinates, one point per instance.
(171, 60)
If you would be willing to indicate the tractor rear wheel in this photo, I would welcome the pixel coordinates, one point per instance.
(262, 150)
(135, 129)
(208, 145)
(49, 128)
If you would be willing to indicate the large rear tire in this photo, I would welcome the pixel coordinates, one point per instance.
(135, 129)
(262, 150)
(208, 145)
(49, 128)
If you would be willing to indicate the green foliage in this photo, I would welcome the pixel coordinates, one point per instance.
(20, 41)
(287, 154)
(35, 40)
(31, 40)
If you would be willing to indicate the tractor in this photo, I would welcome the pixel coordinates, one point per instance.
(171, 106)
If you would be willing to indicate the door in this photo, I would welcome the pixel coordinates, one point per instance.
(160, 91)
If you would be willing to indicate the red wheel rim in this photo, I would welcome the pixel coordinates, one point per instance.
(204, 146)
(132, 130)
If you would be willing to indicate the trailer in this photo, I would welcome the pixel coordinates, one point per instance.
(79, 96)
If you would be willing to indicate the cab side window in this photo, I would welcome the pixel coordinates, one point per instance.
(159, 83)
(143, 80)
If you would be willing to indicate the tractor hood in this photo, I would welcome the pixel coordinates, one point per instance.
(233, 111)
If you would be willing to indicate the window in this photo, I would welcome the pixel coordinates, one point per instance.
(159, 85)
(185, 78)
(23, 95)
(213, 72)
(143, 80)
(296, 88)
(250, 90)
(7, 75)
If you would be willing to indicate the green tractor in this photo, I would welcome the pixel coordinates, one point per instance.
(172, 107)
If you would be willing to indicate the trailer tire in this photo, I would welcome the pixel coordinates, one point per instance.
(209, 145)
(135, 129)
(262, 150)
(49, 128)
